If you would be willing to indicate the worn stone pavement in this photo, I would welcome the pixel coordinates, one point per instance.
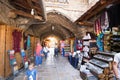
(55, 68)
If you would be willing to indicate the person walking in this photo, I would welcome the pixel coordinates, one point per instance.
(38, 54)
(56, 50)
(45, 51)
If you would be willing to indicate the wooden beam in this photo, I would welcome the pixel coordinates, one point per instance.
(86, 23)
(88, 12)
(99, 6)
(35, 1)
(98, 9)
(21, 13)
(27, 7)
(30, 3)
(22, 5)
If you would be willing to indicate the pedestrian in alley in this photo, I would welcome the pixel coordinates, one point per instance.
(31, 73)
(45, 51)
(38, 54)
(56, 50)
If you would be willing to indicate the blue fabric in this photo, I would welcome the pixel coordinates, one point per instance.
(23, 54)
(63, 52)
(31, 74)
(76, 62)
(100, 42)
(38, 60)
(56, 51)
(12, 61)
(45, 53)
(70, 59)
(74, 45)
(28, 42)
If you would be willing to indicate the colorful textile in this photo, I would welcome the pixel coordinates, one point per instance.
(100, 42)
(28, 42)
(97, 27)
(104, 21)
(75, 45)
(17, 35)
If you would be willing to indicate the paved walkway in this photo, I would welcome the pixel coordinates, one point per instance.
(55, 68)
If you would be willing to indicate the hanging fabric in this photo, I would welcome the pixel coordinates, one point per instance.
(28, 42)
(99, 34)
(17, 35)
(25, 41)
(104, 21)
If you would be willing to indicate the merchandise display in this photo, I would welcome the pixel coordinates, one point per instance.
(13, 62)
(24, 59)
(115, 43)
(94, 68)
(101, 64)
(102, 57)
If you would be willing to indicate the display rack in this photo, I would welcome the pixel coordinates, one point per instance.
(101, 65)
(115, 43)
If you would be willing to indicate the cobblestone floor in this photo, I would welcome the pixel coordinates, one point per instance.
(55, 68)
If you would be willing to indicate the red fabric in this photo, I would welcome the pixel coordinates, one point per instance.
(17, 35)
(25, 59)
(97, 26)
(12, 56)
(38, 49)
(79, 47)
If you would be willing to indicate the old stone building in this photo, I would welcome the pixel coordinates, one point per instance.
(61, 24)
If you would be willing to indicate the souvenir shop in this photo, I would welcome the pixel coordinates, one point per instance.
(93, 54)
(16, 50)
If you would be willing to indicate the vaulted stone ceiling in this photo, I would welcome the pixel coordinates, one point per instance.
(63, 27)
(62, 14)
(72, 9)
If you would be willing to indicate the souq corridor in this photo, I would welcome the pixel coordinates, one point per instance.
(55, 68)
(59, 39)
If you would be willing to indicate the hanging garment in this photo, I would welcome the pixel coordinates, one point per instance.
(28, 42)
(97, 27)
(75, 45)
(25, 41)
(100, 42)
(79, 45)
(17, 35)
(104, 21)
(114, 15)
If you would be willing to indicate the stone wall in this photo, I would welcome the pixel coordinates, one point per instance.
(73, 9)
(5, 8)
(82, 31)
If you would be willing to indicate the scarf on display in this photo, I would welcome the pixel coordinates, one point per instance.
(99, 33)
(104, 21)
(38, 49)
(17, 36)
(28, 42)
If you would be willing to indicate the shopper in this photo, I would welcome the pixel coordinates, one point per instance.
(45, 51)
(56, 50)
(116, 66)
(38, 54)
(31, 73)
